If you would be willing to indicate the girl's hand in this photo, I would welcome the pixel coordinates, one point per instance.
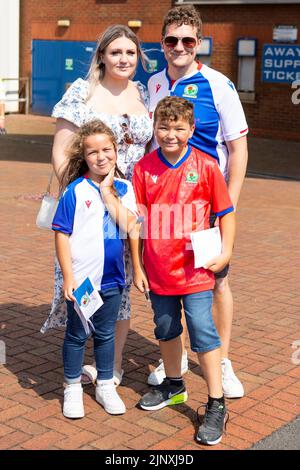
(140, 280)
(69, 286)
(108, 180)
(218, 263)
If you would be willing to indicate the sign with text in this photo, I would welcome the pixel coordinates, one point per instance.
(281, 63)
(285, 33)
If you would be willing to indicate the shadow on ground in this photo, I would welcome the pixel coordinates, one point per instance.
(35, 358)
(26, 148)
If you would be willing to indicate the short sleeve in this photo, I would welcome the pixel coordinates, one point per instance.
(232, 116)
(126, 195)
(72, 106)
(144, 93)
(220, 199)
(139, 188)
(64, 217)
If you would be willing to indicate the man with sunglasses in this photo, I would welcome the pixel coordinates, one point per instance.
(220, 131)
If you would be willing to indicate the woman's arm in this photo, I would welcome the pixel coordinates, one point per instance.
(63, 253)
(63, 133)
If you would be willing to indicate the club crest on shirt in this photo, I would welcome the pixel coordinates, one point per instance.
(192, 177)
(85, 300)
(190, 91)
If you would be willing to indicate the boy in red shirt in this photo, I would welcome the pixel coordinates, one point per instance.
(177, 186)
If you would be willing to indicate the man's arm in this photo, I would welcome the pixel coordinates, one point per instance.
(237, 165)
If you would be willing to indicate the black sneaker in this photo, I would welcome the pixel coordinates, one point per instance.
(215, 419)
(163, 395)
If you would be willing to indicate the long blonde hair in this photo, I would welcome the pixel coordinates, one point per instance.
(97, 68)
(76, 165)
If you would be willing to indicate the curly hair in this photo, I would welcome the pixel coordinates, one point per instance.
(186, 14)
(76, 165)
(174, 108)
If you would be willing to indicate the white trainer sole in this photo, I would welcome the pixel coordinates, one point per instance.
(176, 400)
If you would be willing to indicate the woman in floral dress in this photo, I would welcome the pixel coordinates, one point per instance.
(110, 95)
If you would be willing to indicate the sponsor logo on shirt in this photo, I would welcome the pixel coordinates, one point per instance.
(192, 177)
(88, 203)
(190, 91)
(154, 178)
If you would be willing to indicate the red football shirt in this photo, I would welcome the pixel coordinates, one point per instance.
(175, 201)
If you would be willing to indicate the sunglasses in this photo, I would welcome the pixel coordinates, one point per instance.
(172, 41)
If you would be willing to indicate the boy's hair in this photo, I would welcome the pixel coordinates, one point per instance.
(173, 108)
(186, 14)
(76, 165)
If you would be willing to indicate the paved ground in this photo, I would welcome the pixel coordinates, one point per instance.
(265, 281)
(286, 438)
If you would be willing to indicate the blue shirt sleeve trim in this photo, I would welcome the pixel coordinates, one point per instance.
(58, 229)
(226, 211)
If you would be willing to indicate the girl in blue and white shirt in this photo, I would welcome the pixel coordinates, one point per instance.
(95, 209)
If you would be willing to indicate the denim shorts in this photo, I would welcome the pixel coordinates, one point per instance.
(198, 313)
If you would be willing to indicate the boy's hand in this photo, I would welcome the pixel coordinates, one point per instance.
(69, 286)
(218, 263)
(140, 280)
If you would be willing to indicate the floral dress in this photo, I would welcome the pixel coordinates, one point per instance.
(132, 132)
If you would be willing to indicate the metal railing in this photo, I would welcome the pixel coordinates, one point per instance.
(22, 91)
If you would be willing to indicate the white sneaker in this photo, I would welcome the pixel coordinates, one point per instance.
(89, 375)
(118, 376)
(159, 374)
(232, 387)
(107, 396)
(73, 401)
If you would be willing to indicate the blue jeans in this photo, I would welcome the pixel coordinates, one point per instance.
(198, 313)
(104, 321)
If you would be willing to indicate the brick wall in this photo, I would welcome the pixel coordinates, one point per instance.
(273, 113)
(88, 19)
